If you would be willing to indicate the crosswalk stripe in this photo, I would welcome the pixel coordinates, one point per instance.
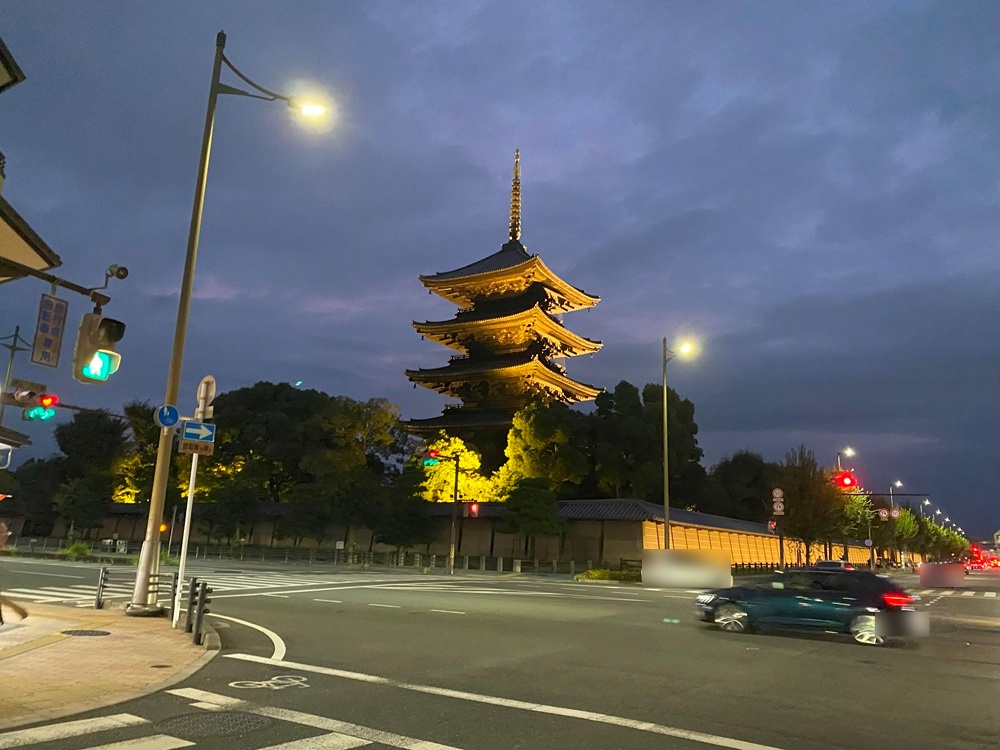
(968, 593)
(64, 730)
(990, 594)
(153, 742)
(332, 741)
(926, 592)
(948, 592)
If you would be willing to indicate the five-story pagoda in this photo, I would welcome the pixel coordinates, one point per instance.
(508, 334)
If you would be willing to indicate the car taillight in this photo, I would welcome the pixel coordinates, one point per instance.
(848, 567)
(897, 600)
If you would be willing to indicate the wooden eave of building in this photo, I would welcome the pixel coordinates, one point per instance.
(532, 369)
(21, 244)
(484, 280)
(461, 417)
(508, 333)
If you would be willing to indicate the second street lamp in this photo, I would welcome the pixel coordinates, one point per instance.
(686, 349)
(144, 601)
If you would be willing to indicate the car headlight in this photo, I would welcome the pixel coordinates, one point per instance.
(704, 598)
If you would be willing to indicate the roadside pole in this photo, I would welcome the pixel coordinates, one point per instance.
(206, 393)
(454, 523)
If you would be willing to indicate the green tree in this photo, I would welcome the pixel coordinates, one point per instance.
(547, 442)
(92, 443)
(38, 481)
(814, 508)
(531, 511)
(81, 502)
(744, 482)
(438, 483)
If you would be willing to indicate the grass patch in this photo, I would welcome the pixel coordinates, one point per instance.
(603, 574)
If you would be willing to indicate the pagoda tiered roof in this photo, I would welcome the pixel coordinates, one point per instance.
(510, 326)
(507, 273)
(517, 379)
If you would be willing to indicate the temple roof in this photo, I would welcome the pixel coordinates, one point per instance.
(510, 326)
(535, 370)
(507, 273)
(458, 417)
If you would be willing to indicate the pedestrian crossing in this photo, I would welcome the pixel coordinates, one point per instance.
(83, 594)
(957, 592)
(130, 731)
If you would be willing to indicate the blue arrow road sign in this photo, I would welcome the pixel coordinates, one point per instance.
(166, 416)
(200, 431)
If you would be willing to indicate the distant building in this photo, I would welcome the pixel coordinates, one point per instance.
(508, 334)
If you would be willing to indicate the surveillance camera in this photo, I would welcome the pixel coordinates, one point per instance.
(119, 272)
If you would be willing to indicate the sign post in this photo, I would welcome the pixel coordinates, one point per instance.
(778, 509)
(206, 394)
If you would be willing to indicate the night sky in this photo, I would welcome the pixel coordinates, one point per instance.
(808, 188)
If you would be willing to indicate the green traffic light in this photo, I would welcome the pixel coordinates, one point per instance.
(102, 365)
(431, 461)
(39, 413)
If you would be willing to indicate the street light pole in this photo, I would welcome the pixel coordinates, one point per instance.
(144, 603)
(666, 457)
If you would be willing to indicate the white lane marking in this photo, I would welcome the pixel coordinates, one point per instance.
(153, 742)
(387, 606)
(621, 721)
(278, 596)
(67, 729)
(331, 601)
(990, 594)
(279, 645)
(50, 575)
(448, 611)
(299, 591)
(502, 592)
(356, 730)
(926, 592)
(968, 593)
(332, 741)
(204, 696)
(311, 720)
(947, 592)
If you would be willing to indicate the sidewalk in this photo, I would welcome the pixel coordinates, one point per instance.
(46, 674)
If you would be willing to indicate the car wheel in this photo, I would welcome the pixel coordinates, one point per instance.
(731, 618)
(863, 630)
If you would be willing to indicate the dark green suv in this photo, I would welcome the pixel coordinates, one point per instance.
(870, 607)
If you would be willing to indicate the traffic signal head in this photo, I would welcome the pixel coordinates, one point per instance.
(95, 358)
(164, 527)
(431, 457)
(474, 510)
(37, 406)
(772, 525)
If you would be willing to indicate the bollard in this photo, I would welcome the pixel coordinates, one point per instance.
(572, 567)
(416, 560)
(516, 566)
(201, 609)
(286, 555)
(434, 560)
(192, 597)
(465, 562)
(102, 581)
(536, 566)
(590, 564)
(499, 565)
(555, 566)
(482, 562)
(310, 557)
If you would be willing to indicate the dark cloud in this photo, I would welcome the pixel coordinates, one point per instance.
(811, 191)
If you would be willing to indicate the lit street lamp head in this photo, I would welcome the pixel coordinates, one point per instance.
(307, 107)
(897, 483)
(849, 451)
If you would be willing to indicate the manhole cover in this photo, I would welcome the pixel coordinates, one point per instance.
(85, 632)
(216, 724)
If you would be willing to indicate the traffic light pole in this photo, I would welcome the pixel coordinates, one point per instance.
(13, 348)
(454, 524)
(149, 558)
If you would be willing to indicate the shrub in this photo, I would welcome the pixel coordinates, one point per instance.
(603, 574)
(76, 550)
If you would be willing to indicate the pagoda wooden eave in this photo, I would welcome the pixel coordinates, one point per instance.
(509, 281)
(509, 333)
(446, 380)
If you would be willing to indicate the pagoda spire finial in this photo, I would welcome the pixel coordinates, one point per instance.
(515, 198)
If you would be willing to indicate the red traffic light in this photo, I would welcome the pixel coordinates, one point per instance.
(48, 400)
(433, 453)
(474, 510)
(845, 479)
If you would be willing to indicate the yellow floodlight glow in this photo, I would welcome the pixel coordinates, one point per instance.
(312, 109)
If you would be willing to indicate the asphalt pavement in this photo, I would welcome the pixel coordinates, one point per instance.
(324, 657)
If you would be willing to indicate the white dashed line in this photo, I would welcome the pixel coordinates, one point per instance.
(331, 601)
(968, 593)
(448, 611)
(387, 606)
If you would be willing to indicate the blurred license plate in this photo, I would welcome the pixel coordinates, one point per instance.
(902, 624)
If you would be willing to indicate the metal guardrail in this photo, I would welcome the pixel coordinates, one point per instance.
(121, 583)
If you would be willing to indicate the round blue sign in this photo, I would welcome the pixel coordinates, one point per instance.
(166, 416)
(868, 542)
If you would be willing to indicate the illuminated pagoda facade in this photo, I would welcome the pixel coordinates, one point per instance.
(508, 334)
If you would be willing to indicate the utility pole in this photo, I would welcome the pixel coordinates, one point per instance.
(454, 523)
(13, 348)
